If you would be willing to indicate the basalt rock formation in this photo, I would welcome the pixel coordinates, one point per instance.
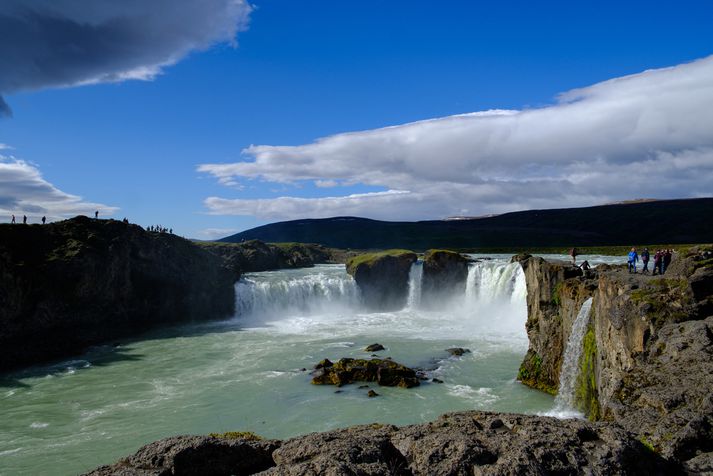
(384, 372)
(383, 277)
(454, 444)
(71, 284)
(254, 255)
(444, 276)
(647, 360)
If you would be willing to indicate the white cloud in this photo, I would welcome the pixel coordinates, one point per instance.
(326, 183)
(56, 43)
(24, 191)
(286, 207)
(644, 135)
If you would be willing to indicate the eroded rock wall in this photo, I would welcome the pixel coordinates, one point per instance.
(647, 361)
(383, 278)
(79, 282)
(555, 293)
(444, 276)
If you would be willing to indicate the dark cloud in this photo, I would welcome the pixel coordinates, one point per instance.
(55, 43)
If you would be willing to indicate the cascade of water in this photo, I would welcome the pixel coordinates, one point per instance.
(565, 400)
(310, 293)
(414, 285)
(489, 281)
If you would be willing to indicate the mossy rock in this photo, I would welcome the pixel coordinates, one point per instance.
(385, 372)
(371, 260)
(586, 394)
(237, 435)
(532, 374)
(383, 277)
(445, 274)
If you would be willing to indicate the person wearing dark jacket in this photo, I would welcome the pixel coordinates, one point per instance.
(666, 260)
(645, 260)
(658, 262)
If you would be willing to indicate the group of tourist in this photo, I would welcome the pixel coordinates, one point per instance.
(662, 259)
(159, 229)
(24, 220)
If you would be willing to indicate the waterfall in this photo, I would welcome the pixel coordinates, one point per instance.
(564, 402)
(491, 281)
(414, 285)
(273, 293)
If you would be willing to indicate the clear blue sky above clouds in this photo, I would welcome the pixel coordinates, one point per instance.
(304, 71)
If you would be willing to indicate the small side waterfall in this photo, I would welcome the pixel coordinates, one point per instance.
(565, 400)
(414, 285)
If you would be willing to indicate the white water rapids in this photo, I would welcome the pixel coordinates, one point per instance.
(246, 373)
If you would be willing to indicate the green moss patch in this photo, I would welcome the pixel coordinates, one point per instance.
(368, 259)
(586, 394)
(237, 435)
(532, 374)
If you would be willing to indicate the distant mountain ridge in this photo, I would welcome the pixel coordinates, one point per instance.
(662, 221)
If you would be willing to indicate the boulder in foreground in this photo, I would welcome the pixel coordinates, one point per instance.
(455, 444)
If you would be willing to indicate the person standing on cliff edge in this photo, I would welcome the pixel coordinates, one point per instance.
(633, 258)
(645, 260)
(96, 214)
(573, 253)
(13, 220)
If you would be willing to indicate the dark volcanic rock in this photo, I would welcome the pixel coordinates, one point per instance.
(444, 276)
(457, 351)
(455, 444)
(647, 360)
(195, 456)
(383, 277)
(385, 372)
(254, 255)
(374, 348)
(71, 284)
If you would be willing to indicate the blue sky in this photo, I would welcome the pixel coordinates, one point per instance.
(304, 71)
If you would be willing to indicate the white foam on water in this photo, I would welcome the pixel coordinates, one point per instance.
(38, 424)
(479, 396)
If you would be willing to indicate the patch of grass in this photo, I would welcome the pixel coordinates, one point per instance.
(649, 446)
(370, 258)
(237, 435)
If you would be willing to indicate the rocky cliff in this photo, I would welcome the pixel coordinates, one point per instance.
(456, 444)
(254, 255)
(71, 284)
(444, 276)
(383, 277)
(647, 361)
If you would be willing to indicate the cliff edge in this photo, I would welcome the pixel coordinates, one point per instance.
(647, 360)
(71, 284)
